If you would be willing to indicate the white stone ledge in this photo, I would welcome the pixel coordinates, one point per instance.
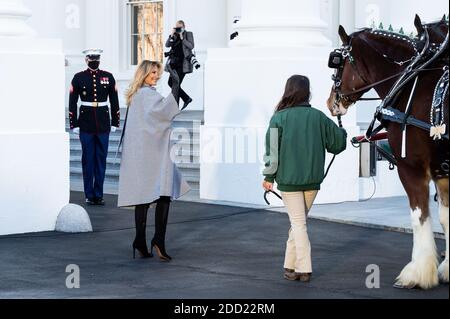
(33, 45)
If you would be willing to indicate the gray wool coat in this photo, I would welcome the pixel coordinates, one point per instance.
(147, 171)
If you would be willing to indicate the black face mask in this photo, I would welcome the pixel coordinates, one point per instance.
(93, 65)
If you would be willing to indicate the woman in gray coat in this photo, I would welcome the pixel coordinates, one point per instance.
(148, 174)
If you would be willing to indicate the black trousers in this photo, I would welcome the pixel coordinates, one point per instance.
(183, 95)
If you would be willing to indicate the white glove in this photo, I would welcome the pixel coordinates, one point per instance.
(113, 129)
(76, 131)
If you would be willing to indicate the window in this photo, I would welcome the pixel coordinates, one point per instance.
(146, 30)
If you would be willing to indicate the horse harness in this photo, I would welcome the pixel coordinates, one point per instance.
(386, 113)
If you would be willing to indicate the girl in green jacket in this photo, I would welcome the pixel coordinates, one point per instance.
(296, 144)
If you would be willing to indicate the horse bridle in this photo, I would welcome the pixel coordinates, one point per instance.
(337, 61)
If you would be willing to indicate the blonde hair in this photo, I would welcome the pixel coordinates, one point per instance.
(142, 72)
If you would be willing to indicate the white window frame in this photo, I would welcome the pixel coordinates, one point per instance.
(143, 34)
(170, 15)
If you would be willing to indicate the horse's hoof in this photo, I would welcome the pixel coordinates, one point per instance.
(443, 255)
(443, 272)
(399, 285)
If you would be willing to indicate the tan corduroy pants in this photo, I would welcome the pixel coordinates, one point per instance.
(298, 250)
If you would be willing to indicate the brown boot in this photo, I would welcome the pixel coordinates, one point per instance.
(305, 277)
(291, 275)
(287, 270)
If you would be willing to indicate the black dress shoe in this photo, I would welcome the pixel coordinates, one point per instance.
(186, 104)
(90, 202)
(100, 202)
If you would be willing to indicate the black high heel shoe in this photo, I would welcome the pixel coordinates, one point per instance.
(161, 251)
(140, 243)
(143, 251)
(186, 104)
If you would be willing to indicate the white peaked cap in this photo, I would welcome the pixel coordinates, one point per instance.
(92, 52)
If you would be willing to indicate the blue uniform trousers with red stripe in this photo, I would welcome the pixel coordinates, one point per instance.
(95, 152)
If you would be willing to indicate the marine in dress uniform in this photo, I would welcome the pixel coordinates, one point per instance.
(94, 122)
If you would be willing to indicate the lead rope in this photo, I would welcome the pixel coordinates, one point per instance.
(339, 117)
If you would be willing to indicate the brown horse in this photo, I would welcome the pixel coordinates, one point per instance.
(437, 30)
(373, 56)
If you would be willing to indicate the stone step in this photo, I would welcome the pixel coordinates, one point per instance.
(193, 137)
(187, 168)
(190, 135)
(113, 183)
(113, 189)
(177, 123)
(187, 126)
(185, 116)
(114, 139)
(113, 175)
(185, 155)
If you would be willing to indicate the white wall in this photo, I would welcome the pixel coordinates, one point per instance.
(34, 148)
(233, 12)
(249, 83)
(399, 13)
(62, 19)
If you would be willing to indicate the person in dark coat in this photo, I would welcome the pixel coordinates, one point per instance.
(182, 45)
(94, 122)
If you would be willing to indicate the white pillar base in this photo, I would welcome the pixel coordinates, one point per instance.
(243, 86)
(34, 185)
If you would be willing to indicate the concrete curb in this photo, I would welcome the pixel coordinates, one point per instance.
(396, 229)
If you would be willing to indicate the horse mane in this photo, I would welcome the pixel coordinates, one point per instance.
(384, 32)
(391, 35)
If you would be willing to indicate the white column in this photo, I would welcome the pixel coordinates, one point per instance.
(233, 11)
(104, 32)
(13, 15)
(281, 23)
(347, 15)
(34, 147)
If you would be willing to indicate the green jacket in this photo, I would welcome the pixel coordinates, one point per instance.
(304, 135)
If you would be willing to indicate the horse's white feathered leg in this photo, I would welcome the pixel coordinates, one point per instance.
(422, 271)
(443, 268)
